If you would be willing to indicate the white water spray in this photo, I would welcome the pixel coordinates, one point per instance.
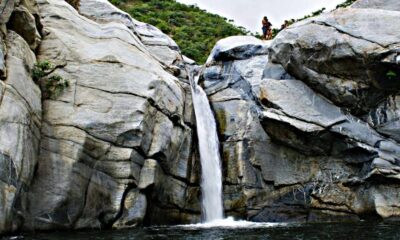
(211, 174)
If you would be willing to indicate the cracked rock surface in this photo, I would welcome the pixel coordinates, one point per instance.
(308, 123)
(121, 108)
(340, 56)
(20, 114)
(304, 137)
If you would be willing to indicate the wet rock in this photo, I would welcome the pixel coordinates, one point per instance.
(385, 118)
(386, 202)
(168, 198)
(331, 216)
(148, 174)
(134, 211)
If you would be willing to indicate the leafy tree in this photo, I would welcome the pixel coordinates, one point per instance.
(195, 30)
(345, 4)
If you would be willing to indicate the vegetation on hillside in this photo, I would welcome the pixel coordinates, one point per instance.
(194, 30)
(345, 4)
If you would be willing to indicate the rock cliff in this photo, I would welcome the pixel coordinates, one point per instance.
(75, 160)
(20, 108)
(308, 123)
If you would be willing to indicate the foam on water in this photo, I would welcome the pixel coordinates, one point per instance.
(230, 223)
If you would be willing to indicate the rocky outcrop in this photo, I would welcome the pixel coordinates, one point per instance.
(157, 43)
(20, 122)
(291, 149)
(391, 5)
(121, 108)
(82, 161)
(161, 46)
(20, 111)
(385, 117)
(308, 123)
(350, 55)
(23, 22)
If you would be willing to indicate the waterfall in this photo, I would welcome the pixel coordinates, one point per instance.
(211, 174)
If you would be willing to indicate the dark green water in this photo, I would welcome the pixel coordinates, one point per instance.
(340, 231)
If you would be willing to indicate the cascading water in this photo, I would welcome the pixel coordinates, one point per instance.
(211, 174)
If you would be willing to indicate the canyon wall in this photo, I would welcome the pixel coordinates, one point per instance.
(308, 123)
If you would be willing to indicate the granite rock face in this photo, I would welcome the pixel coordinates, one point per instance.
(349, 55)
(391, 5)
(308, 123)
(74, 160)
(20, 122)
(292, 150)
(20, 114)
(157, 43)
(121, 108)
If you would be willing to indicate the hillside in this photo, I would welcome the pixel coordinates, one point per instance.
(195, 30)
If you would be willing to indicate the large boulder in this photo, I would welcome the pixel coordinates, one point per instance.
(24, 23)
(349, 55)
(159, 44)
(289, 153)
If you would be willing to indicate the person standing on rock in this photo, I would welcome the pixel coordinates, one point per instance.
(266, 28)
(285, 25)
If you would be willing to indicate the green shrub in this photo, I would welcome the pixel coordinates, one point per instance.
(117, 2)
(391, 74)
(345, 4)
(54, 86)
(40, 70)
(195, 30)
(51, 86)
